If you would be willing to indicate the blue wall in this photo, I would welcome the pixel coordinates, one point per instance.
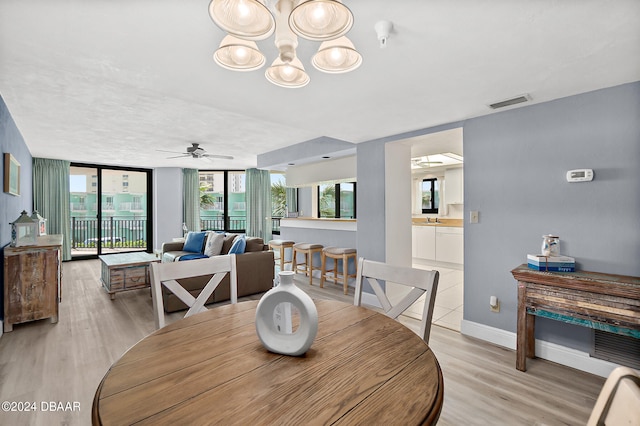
(11, 141)
(515, 166)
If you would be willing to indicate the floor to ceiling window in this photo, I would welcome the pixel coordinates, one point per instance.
(223, 204)
(222, 201)
(110, 210)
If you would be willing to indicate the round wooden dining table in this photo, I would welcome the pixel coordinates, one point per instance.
(210, 368)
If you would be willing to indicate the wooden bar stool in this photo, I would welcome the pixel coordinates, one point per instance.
(280, 246)
(308, 249)
(338, 253)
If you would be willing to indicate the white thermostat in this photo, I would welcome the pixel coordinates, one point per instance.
(580, 175)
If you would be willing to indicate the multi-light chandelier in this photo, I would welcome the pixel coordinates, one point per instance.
(246, 21)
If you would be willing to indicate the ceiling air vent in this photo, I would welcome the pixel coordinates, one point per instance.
(509, 102)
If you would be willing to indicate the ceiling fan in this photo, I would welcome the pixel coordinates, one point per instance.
(196, 152)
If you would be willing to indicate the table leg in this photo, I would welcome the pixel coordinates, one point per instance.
(521, 332)
(531, 336)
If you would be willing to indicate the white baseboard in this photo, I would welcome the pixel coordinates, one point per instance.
(550, 351)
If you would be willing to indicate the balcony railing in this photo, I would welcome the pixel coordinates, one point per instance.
(115, 233)
(236, 223)
(129, 233)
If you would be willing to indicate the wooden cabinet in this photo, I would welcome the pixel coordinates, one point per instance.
(32, 281)
(454, 186)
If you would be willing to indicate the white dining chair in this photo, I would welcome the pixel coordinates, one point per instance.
(619, 400)
(166, 274)
(421, 281)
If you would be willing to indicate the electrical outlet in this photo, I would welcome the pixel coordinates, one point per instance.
(496, 307)
(473, 216)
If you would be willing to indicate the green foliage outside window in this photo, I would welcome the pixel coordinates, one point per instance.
(278, 199)
(327, 201)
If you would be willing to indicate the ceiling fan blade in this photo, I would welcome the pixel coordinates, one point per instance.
(173, 152)
(180, 156)
(223, 157)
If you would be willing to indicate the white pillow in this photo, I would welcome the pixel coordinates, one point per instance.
(213, 247)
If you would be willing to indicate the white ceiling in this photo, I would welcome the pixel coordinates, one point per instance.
(112, 81)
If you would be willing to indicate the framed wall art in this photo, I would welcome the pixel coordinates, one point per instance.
(11, 175)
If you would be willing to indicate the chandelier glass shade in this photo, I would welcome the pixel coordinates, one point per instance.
(239, 55)
(337, 56)
(287, 74)
(321, 20)
(246, 21)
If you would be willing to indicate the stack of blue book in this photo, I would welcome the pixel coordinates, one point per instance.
(539, 262)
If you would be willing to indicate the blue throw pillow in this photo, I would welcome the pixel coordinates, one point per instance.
(194, 242)
(238, 246)
(192, 256)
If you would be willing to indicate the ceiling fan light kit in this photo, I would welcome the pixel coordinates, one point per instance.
(318, 20)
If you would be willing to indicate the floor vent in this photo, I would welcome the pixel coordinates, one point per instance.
(616, 348)
(509, 102)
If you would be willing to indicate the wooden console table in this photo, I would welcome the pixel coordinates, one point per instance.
(604, 302)
(32, 281)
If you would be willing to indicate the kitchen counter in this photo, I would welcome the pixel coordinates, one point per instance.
(328, 232)
(315, 223)
(454, 223)
(322, 219)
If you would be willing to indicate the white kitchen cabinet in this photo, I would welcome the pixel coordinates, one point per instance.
(424, 239)
(454, 186)
(449, 244)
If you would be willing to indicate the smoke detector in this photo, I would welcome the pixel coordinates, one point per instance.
(383, 28)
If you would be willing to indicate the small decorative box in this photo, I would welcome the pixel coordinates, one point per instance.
(539, 262)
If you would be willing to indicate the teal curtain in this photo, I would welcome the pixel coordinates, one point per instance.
(51, 198)
(191, 199)
(292, 199)
(258, 198)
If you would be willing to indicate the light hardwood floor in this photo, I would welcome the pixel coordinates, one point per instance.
(64, 362)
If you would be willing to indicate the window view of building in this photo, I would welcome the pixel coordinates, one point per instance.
(222, 201)
(119, 221)
(223, 204)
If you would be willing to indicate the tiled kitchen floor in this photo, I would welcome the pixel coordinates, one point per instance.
(447, 311)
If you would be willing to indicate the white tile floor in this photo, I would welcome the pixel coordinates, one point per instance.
(447, 311)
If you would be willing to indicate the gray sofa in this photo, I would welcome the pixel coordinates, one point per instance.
(255, 271)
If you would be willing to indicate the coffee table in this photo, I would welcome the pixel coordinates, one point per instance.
(126, 271)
